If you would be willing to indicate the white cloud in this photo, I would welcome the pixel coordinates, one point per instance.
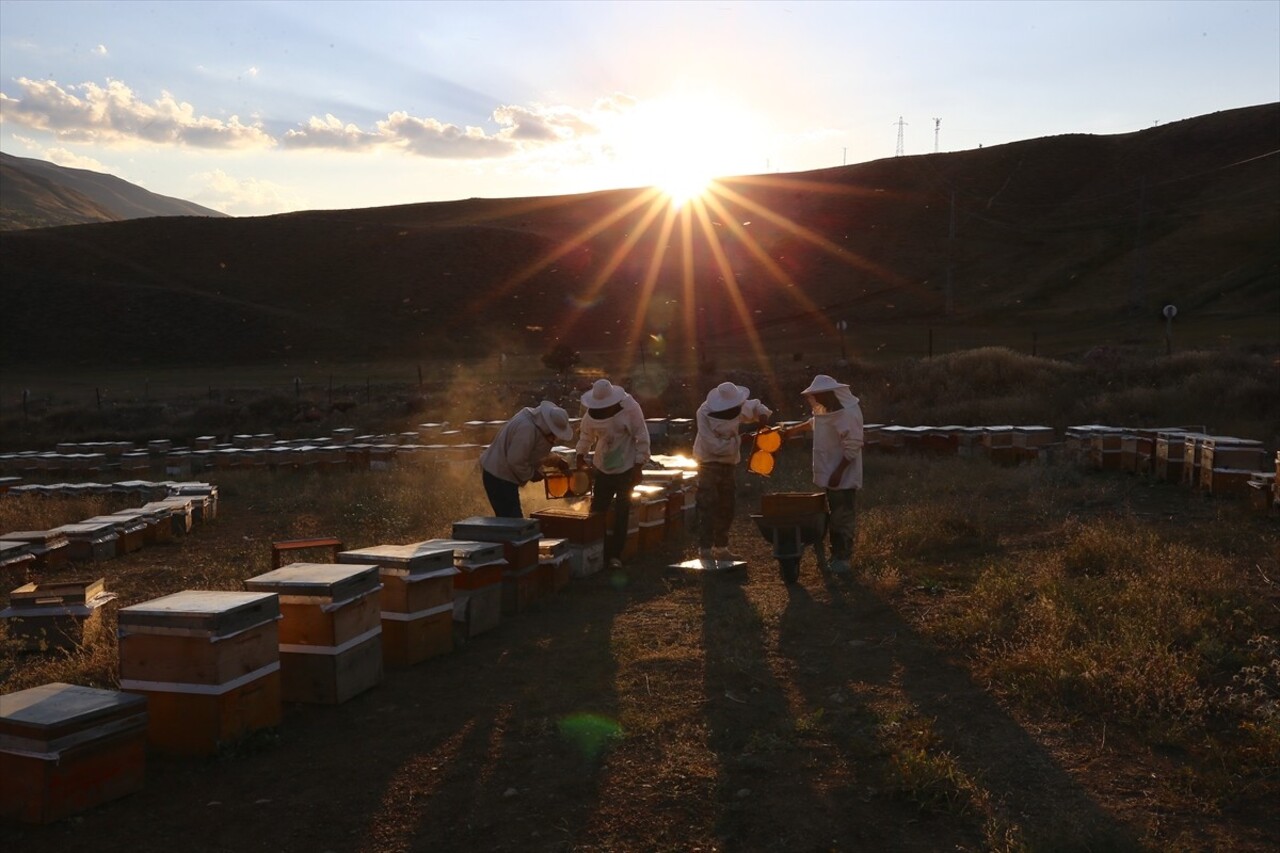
(115, 116)
(72, 160)
(251, 72)
(241, 196)
(100, 50)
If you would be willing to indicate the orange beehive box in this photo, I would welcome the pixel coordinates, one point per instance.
(330, 629)
(416, 599)
(519, 589)
(208, 663)
(651, 536)
(477, 590)
(64, 749)
(553, 565)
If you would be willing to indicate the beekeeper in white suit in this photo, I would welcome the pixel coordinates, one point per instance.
(613, 430)
(518, 452)
(837, 462)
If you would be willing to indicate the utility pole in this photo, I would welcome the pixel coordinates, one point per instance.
(901, 124)
(937, 124)
(845, 160)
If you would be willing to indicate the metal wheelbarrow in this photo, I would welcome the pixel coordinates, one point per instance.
(789, 534)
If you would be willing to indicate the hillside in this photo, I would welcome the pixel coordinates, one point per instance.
(36, 194)
(1086, 233)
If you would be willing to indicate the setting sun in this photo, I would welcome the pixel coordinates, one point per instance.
(680, 143)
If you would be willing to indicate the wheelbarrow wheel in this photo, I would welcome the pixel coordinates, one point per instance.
(789, 568)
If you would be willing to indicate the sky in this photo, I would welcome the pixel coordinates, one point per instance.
(256, 108)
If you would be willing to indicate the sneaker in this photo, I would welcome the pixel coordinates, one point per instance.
(615, 563)
(841, 567)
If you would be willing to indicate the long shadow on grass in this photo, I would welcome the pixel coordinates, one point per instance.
(933, 742)
(761, 775)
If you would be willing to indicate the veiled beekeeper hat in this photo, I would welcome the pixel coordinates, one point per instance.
(602, 395)
(823, 382)
(555, 419)
(726, 396)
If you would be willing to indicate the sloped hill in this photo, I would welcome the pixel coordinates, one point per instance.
(36, 194)
(1073, 230)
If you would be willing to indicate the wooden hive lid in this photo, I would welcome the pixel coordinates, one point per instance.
(413, 560)
(54, 710)
(469, 554)
(58, 592)
(490, 529)
(335, 581)
(197, 611)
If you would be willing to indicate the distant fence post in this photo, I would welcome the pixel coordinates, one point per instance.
(26, 394)
(368, 390)
(931, 343)
(297, 386)
(97, 392)
(419, 379)
(331, 390)
(1034, 343)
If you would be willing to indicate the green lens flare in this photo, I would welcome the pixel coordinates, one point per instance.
(590, 733)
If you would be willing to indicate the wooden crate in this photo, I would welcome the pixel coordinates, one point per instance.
(410, 638)
(53, 615)
(65, 748)
(476, 611)
(586, 560)
(579, 527)
(49, 547)
(553, 565)
(91, 543)
(518, 537)
(651, 535)
(519, 589)
(131, 530)
(330, 629)
(208, 663)
(416, 600)
(790, 504)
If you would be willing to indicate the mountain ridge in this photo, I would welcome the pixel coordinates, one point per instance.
(1089, 235)
(37, 194)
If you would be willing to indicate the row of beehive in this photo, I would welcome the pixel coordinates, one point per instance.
(105, 537)
(202, 668)
(1219, 465)
(343, 447)
(1003, 443)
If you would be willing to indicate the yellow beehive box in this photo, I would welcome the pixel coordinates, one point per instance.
(208, 663)
(330, 629)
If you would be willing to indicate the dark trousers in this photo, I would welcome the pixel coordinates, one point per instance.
(842, 522)
(504, 496)
(716, 499)
(613, 490)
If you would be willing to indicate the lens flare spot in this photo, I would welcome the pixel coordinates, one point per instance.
(589, 733)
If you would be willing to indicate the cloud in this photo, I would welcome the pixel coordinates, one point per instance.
(113, 115)
(100, 50)
(241, 196)
(72, 160)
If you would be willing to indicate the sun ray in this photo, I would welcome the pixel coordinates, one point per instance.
(730, 281)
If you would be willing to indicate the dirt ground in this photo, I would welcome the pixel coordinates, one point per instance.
(656, 710)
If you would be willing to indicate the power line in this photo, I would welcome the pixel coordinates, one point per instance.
(901, 124)
(937, 124)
